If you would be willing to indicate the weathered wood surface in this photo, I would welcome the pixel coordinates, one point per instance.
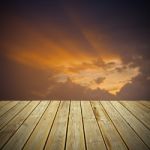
(75, 125)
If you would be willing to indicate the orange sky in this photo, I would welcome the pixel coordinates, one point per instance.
(68, 58)
(74, 50)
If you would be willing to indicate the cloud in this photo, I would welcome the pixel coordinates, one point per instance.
(72, 91)
(81, 67)
(100, 80)
(74, 52)
(138, 89)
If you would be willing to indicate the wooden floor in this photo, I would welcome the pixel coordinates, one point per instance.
(75, 125)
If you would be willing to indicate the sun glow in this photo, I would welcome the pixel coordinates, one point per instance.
(107, 73)
(91, 64)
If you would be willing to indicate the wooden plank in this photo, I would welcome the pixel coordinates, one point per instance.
(139, 105)
(93, 135)
(3, 103)
(145, 103)
(141, 112)
(139, 128)
(75, 136)
(111, 136)
(130, 137)
(57, 137)
(40, 134)
(89, 125)
(22, 134)
(7, 107)
(15, 123)
(4, 119)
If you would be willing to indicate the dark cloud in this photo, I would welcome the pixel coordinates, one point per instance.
(74, 91)
(100, 80)
(138, 89)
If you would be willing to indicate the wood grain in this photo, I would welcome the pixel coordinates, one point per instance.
(74, 125)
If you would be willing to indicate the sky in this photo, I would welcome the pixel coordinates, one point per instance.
(75, 49)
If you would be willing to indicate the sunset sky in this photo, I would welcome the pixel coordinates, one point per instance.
(75, 49)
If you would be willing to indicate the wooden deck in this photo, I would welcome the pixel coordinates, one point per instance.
(75, 125)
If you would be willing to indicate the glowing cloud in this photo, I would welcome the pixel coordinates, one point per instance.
(91, 72)
(87, 62)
